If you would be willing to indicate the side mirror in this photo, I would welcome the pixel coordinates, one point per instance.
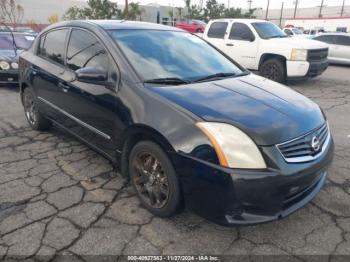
(93, 75)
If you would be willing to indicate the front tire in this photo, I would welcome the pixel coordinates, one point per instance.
(154, 179)
(274, 69)
(35, 119)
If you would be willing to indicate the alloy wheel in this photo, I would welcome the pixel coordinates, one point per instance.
(150, 180)
(30, 108)
(272, 72)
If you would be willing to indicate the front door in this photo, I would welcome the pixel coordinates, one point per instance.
(91, 107)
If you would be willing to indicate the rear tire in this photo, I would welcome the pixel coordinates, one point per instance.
(35, 119)
(273, 69)
(154, 179)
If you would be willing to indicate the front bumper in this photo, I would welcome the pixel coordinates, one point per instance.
(305, 69)
(240, 197)
(8, 77)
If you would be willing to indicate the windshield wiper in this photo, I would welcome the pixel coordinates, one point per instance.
(213, 76)
(168, 81)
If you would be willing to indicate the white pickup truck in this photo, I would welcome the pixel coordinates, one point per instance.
(261, 45)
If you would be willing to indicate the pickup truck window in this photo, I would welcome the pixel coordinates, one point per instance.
(241, 31)
(217, 30)
(267, 30)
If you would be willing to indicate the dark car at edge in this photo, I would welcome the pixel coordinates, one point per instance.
(187, 125)
(11, 46)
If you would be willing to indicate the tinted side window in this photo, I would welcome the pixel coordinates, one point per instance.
(84, 50)
(288, 32)
(329, 39)
(217, 30)
(343, 40)
(52, 45)
(240, 31)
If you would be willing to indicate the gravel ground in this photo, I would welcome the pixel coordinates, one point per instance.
(59, 197)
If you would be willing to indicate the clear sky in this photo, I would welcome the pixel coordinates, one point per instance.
(274, 4)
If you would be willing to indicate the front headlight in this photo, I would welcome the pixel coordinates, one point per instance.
(14, 65)
(233, 147)
(4, 65)
(298, 55)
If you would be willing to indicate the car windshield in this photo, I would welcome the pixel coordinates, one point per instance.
(297, 31)
(22, 41)
(158, 54)
(267, 30)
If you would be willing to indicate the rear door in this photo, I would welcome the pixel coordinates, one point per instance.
(216, 35)
(47, 71)
(241, 45)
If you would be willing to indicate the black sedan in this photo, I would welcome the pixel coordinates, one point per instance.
(11, 45)
(186, 124)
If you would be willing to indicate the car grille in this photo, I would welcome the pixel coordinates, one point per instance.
(317, 55)
(307, 147)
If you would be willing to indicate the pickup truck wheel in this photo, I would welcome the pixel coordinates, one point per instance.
(35, 119)
(273, 69)
(154, 178)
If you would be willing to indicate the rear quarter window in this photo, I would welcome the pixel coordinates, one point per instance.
(217, 30)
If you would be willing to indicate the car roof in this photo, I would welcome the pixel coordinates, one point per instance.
(116, 24)
(238, 20)
(335, 33)
(15, 33)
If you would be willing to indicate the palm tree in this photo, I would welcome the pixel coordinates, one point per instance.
(135, 11)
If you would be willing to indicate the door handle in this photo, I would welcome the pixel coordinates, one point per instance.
(229, 44)
(64, 87)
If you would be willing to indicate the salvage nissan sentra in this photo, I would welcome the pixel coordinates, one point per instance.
(184, 122)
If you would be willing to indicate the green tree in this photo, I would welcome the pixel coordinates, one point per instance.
(96, 9)
(213, 10)
(134, 11)
(197, 12)
(188, 7)
(233, 13)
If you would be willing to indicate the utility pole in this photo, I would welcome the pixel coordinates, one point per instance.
(281, 14)
(250, 7)
(295, 9)
(267, 9)
(250, 4)
(228, 4)
(321, 6)
(342, 8)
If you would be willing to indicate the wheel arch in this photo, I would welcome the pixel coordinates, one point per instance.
(134, 134)
(267, 56)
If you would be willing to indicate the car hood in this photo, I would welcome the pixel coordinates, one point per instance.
(268, 112)
(9, 55)
(298, 42)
